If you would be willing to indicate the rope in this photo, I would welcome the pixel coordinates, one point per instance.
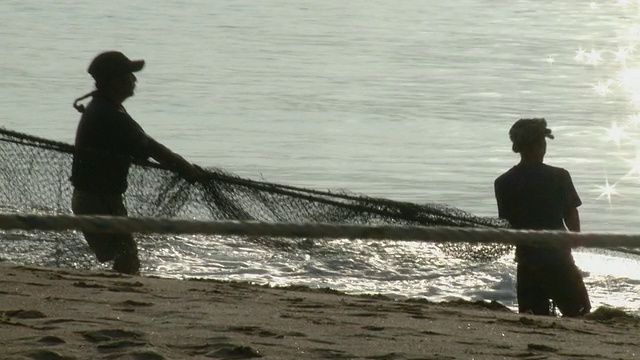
(314, 230)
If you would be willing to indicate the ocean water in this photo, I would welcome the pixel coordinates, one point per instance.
(409, 100)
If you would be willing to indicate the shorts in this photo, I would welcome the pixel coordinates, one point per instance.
(561, 283)
(121, 248)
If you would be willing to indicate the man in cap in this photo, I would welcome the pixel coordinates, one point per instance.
(535, 196)
(107, 142)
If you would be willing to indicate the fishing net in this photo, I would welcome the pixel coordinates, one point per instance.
(34, 178)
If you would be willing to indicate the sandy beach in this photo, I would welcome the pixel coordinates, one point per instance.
(78, 314)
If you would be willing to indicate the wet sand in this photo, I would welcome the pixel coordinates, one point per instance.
(79, 314)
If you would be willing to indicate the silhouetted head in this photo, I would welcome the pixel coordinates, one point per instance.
(112, 64)
(113, 73)
(529, 137)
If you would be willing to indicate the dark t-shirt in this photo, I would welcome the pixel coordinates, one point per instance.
(107, 141)
(536, 197)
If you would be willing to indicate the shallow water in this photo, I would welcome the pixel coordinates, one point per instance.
(410, 101)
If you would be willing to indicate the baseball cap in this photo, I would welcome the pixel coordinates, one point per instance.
(526, 131)
(111, 64)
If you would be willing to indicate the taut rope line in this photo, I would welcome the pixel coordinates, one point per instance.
(314, 230)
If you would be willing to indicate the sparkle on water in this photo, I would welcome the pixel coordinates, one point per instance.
(624, 82)
(616, 80)
(607, 190)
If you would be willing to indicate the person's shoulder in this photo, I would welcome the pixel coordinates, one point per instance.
(556, 170)
(99, 106)
(506, 175)
(500, 178)
(97, 102)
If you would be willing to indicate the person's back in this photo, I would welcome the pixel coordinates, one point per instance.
(536, 196)
(107, 141)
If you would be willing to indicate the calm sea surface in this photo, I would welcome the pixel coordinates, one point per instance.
(407, 100)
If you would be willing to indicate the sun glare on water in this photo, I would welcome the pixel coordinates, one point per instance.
(610, 56)
(629, 82)
(621, 61)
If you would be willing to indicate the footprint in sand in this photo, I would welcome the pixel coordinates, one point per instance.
(219, 348)
(46, 355)
(126, 286)
(82, 284)
(23, 314)
(111, 340)
(51, 340)
(229, 351)
(110, 335)
(131, 305)
(256, 330)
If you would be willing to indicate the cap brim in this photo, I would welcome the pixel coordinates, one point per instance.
(547, 133)
(137, 65)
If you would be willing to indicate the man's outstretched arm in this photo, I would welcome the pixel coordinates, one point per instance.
(165, 156)
(572, 219)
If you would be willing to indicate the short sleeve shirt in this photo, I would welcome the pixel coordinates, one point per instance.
(536, 197)
(107, 141)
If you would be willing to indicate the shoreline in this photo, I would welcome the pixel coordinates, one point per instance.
(53, 313)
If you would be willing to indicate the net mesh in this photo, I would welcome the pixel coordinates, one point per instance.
(34, 178)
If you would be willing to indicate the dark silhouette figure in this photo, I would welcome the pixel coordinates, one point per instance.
(535, 196)
(107, 141)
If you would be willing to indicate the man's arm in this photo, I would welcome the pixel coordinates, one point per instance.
(571, 203)
(499, 199)
(572, 219)
(166, 157)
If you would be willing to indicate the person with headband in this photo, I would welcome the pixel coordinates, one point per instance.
(107, 142)
(535, 196)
